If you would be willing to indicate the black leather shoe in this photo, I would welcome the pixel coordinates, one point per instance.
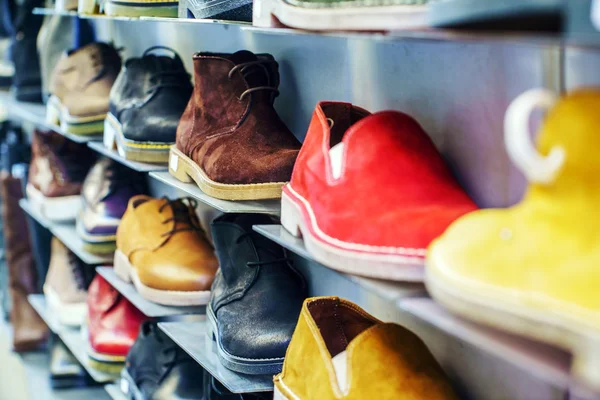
(256, 297)
(156, 368)
(146, 103)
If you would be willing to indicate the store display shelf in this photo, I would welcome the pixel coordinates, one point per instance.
(36, 115)
(114, 392)
(192, 338)
(149, 308)
(71, 337)
(546, 363)
(134, 165)
(76, 342)
(38, 302)
(53, 11)
(227, 206)
(66, 233)
(390, 291)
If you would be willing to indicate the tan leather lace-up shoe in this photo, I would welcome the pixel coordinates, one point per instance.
(162, 248)
(80, 86)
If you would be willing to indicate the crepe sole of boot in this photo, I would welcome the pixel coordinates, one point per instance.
(298, 219)
(352, 16)
(125, 271)
(517, 317)
(186, 170)
(150, 152)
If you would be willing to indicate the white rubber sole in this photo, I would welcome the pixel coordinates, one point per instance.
(57, 114)
(87, 7)
(72, 314)
(343, 18)
(356, 262)
(496, 309)
(124, 270)
(56, 209)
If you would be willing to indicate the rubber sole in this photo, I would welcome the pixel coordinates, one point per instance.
(342, 18)
(186, 170)
(150, 152)
(149, 9)
(298, 219)
(56, 209)
(495, 309)
(126, 271)
(57, 114)
(259, 366)
(70, 314)
(96, 244)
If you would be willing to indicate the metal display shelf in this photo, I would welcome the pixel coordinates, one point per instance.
(272, 207)
(71, 337)
(147, 307)
(36, 114)
(53, 11)
(136, 166)
(547, 363)
(114, 392)
(38, 302)
(390, 291)
(66, 233)
(76, 342)
(192, 338)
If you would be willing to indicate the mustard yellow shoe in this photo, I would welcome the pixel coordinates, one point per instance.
(534, 268)
(338, 351)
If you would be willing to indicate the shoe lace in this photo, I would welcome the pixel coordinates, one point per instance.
(118, 177)
(184, 213)
(77, 270)
(251, 67)
(167, 76)
(252, 264)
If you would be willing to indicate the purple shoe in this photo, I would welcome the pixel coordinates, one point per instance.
(105, 193)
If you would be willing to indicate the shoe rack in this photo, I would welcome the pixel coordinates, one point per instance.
(457, 85)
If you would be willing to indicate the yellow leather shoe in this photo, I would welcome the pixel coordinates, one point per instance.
(162, 248)
(338, 351)
(534, 268)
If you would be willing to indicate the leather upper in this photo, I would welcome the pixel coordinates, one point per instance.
(233, 140)
(113, 322)
(543, 253)
(390, 172)
(106, 191)
(257, 295)
(384, 361)
(161, 369)
(150, 95)
(82, 79)
(68, 276)
(153, 242)
(58, 165)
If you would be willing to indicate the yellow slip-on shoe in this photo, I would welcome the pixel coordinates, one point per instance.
(338, 351)
(534, 268)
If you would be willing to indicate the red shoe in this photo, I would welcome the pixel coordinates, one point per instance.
(113, 325)
(369, 192)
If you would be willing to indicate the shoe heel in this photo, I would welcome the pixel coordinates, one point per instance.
(177, 167)
(122, 266)
(290, 215)
(262, 11)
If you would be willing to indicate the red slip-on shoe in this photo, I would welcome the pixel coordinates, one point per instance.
(369, 192)
(113, 326)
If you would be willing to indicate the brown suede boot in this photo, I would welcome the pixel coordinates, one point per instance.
(230, 140)
(29, 331)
